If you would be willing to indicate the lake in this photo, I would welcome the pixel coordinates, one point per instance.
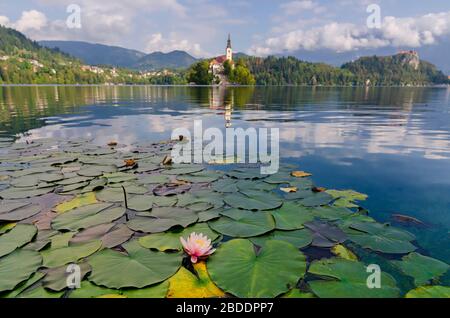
(390, 143)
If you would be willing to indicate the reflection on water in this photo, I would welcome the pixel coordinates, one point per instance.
(391, 143)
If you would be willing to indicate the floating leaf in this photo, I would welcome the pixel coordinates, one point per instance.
(118, 177)
(15, 238)
(170, 241)
(382, 238)
(300, 174)
(71, 254)
(325, 234)
(89, 290)
(155, 291)
(289, 189)
(429, 292)
(291, 216)
(56, 278)
(170, 189)
(253, 202)
(17, 267)
(154, 179)
(422, 268)
(316, 199)
(77, 202)
(184, 284)
(18, 211)
(87, 216)
(237, 270)
(246, 174)
(225, 186)
(343, 252)
(298, 238)
(23, 193)
(110, 234)
(143, 267)
(162, 219)
(6, 227)
(240, 223)
(348, 279)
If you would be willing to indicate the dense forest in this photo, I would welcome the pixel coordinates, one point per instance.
(400, 69)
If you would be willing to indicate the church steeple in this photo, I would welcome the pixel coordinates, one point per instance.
(229, 49)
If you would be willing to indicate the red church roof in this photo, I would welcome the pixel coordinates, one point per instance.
(220, 59)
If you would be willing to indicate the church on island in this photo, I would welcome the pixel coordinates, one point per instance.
(216, 66)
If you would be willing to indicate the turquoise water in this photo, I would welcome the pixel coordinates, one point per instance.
(390, 143)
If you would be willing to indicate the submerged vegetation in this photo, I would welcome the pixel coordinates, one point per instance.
(119, 214)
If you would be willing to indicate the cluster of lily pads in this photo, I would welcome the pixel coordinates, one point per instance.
(119, 213)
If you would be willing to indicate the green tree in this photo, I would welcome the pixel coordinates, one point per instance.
(199, 73)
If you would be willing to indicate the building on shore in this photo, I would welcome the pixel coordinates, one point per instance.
(216, 66)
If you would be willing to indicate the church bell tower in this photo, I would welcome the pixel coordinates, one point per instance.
(229, 49)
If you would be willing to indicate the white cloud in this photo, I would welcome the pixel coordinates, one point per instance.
(4, 20)
(30, 20)
(160, 43)
(299, 6)
(396, 32)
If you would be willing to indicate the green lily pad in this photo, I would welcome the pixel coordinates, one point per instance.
(292, 216)
(151, 292)
(382, 238)
(346, 198)
(257, 201)
(429, 292)
(118, 177)
(325, 234)
(299, 238)
(87, 216)
(201, 177)
(20, 235)
(154, 179)
(56, 278)
(162, 219)
(89, 290)
(225, 186)
(317, 199)
(238, 270)
(170, 241)
(143, 267)
(183, 170)
(23, 193)
(18, 211)
(246, 174)
(70, 254)
(422, 268)
(110, 234)
(240, 223)
(17, 267)
(348, 279)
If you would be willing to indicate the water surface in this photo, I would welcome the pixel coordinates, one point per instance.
(390, 143)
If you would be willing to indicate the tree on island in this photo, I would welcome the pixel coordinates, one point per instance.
(199, 74)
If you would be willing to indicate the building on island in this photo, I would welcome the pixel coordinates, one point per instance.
(216, 66)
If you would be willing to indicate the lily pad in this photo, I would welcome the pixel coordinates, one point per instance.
(15, 238)
(292, 216)
(422, 268)
(162, 219)
(298, 238)
(71, 254)
(348, 279)
(17, 267)
(87, 216)
(240, 223)
(185, 284)
(18, 211)
(110, 234)
(257, 201)
(325, 234)
(238, 270)
(429, 292)
(56, 278)
(143, 267)
(382, 238)
(225, 186)
(77, 202)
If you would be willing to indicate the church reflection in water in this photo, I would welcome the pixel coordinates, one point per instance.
(222, 99)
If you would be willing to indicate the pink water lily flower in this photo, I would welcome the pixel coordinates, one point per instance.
(197, 246)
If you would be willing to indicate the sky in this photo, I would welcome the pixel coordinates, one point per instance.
(258, 27)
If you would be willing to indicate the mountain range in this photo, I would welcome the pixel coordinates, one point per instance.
(99, 54)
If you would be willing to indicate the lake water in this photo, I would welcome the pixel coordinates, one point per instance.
(390, 143)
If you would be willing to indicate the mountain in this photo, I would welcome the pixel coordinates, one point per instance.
(404, 68)
(97, 54)
(159, 60)
(432, 53)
